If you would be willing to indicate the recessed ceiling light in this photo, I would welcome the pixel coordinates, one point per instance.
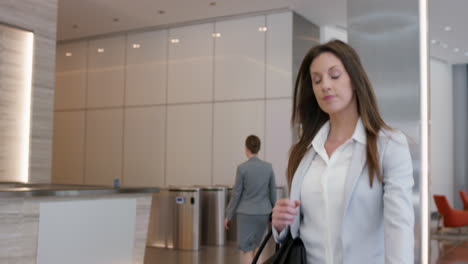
(175, 40)
(456, 50)
(161, 12)
(434, 41)
(444, 45)
(100, 50)
(68, 54)
(262, 29)
(136, 46)
(448, 28)
(216, 35)
(212, 3)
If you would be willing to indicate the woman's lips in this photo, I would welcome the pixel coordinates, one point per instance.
(328, 97)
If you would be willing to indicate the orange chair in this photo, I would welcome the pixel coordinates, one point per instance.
(452, 217)
(464, 198)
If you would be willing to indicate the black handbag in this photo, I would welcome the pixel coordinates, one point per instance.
(291, 251)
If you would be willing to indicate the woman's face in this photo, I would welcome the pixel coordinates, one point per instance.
(331, 84)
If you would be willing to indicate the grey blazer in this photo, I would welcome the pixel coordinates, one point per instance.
(254, 192)
(378, 222)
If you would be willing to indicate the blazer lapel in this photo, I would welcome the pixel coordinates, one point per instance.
(358, 161)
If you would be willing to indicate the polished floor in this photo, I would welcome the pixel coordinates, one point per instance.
(447, 249)
(449, 246)
(449, 252)
(228, 254)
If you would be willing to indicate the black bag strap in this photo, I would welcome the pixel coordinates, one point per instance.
(262, 246)
(264, 242)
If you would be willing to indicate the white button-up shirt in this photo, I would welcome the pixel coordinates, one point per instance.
(322, 195)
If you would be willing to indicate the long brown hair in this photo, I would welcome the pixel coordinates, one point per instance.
(309, 118)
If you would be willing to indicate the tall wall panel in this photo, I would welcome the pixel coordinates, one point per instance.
(44, 25)
(387, 38)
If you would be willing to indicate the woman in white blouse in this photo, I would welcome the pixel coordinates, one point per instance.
(350, 174)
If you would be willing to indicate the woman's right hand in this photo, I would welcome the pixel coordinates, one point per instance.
(284, 213)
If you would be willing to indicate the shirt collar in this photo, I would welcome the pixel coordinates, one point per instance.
(320, 138)
(360, 133)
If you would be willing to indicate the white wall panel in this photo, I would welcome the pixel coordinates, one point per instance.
(279, 55)
(106, 72)
(441, 132)
(144, 146)
(146, 69)
(191, 64)
(240, 59)
(189, 144)
(233, 122)
(278, 137)
(103, 146)
(329, 32)
(70, 78)
(68, 148)
(92, 232)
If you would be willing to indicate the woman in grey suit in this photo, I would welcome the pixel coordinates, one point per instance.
(253, 197)
(350, 174)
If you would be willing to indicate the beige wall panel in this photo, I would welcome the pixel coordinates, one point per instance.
(68, 148)
(144, 146)
(189, 139)
(103, 146)
(146, 68)
(106, 72)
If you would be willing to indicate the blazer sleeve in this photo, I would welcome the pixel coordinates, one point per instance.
(272, 188)
(397, 198)
(236, 194)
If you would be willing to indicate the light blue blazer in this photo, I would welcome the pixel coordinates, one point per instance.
(378, 222)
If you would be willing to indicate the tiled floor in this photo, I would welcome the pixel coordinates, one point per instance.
(449, 251)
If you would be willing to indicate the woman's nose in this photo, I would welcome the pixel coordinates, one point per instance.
(326, 85)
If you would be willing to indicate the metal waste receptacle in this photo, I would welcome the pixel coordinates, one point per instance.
(213, 200)
(184, 230)
(160, 218)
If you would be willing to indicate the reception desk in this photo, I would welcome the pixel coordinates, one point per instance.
(73, 224)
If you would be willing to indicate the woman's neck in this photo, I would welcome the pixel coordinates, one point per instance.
(342, 126)
(250, 155)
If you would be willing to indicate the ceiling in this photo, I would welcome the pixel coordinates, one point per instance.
(443, 43)
(84, 18)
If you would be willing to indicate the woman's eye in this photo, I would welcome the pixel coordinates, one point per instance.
(334, 77)
(317, 81)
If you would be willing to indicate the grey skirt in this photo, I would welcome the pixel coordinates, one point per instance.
(250, 230)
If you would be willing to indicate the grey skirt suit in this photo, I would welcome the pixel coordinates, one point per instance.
(253, 197)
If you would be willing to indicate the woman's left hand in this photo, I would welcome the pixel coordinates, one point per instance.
(226, 223)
